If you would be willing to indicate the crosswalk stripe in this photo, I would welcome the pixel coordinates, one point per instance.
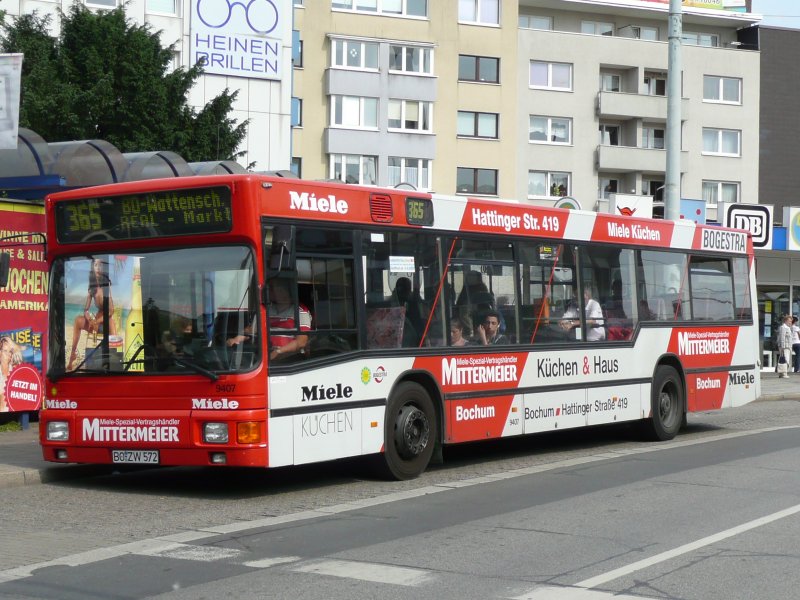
(266, 563)
(190, 552)
(365, 571)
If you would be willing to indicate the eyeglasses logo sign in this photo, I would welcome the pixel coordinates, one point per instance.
(240, 38)
(261, 15)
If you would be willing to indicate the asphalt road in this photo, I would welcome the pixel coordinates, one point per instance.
(582, 515)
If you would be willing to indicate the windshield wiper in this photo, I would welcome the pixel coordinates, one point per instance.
(193, 366)
(183, 362)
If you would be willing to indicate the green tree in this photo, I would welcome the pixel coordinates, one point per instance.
(106, 77)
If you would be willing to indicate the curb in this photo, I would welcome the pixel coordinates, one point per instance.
(778, 397)
(18, 477)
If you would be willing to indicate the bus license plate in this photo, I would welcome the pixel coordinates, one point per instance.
(139, 457)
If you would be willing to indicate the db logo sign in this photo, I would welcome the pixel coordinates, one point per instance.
(755, 218)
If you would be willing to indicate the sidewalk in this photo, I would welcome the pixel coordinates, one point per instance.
(21, 456)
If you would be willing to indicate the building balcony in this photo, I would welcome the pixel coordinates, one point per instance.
(619, 105)
(627, 159)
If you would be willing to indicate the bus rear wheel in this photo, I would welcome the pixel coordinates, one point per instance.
(409, 432)
(667, 405)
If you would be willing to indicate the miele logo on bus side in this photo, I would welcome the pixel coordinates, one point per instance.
(61, 404)
(310, 203)
(209, 404)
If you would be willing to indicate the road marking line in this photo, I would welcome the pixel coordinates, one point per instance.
(365, 571)
(266, 563)
(686, 548)
(98, 554)
(570, 593)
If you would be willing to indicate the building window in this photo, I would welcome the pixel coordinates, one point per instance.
(551, 76)
(297, 166)
(655, 84)
(727, 90)
(548, 183)
(410, 115)
(607, 186)
(609, 82)
(411, 59)
(103, 3)
(691, 38)
(609, 135)
(597, 28)
(297, 112)
(726, 142)
(646, 33)
(654, 188)
(483, 12)
(477, 124)
(166, 7)
(476, 181)
(297, 49)
(653, 137)
(352, 54)
(354, 112)
(550, 130)
(478, 68)
(351, 168)
(405, 8)
(534, 22)
(416, 171)
(715, 192)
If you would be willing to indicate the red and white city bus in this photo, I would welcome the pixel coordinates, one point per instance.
(161, 350)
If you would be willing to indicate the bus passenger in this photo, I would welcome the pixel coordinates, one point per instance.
(405, 296)
(489, 330)
(89, 321)
(595, 323)
(457, 328)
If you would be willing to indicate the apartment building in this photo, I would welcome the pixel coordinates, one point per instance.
(525, 99)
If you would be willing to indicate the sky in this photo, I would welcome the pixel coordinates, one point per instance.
(778, 13)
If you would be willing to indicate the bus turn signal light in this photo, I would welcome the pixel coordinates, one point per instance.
(248, 433)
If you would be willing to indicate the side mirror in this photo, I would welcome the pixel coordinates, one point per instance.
(281, 255)
(5, 265)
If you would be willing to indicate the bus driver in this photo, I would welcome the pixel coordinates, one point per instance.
(281, 317)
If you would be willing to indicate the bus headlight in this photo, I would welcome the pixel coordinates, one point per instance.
(215, 433)
(57, 431)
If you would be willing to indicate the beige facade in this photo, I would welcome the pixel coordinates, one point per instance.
(545, 134)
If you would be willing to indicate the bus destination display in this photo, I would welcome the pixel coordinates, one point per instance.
(146, 215)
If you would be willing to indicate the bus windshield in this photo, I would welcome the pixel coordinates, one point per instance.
(191, 310)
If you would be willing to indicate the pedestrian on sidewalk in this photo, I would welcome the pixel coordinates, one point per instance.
(796, 344)
(785, 346)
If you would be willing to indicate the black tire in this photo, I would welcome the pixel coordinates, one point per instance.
(409, 432)
(667, 404)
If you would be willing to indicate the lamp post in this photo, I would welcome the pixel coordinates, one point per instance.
(672, 183)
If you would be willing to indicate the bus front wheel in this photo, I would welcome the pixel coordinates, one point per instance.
(667, 405)
(409, 432)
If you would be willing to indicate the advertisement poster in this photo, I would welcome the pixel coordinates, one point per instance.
(23, 308)
(91, 283)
